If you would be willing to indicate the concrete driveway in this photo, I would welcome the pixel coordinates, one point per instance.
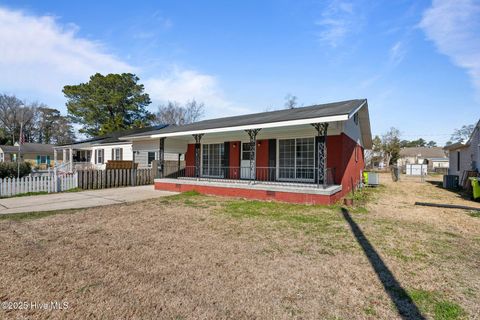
(82, 199)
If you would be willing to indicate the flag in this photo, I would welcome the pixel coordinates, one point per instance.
(22, 138)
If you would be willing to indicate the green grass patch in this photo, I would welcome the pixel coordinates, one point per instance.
(370, 311)
(325, 223)
(365, 194)
(189, 195)
(474, 213)
(33, 215)
(434, 304)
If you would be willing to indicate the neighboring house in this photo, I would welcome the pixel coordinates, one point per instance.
(38, 154)
(465, 156)
(433, 157)
(97, 151)
(311, 154)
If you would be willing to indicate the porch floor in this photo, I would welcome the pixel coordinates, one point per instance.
(290, 187)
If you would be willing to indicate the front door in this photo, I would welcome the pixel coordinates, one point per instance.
(245, 161)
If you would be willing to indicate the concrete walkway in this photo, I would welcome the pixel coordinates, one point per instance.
(82, 199)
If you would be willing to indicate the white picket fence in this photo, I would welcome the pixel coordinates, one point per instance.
(52, 183)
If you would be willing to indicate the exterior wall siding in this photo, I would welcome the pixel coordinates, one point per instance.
(234, 159)
(126, 150)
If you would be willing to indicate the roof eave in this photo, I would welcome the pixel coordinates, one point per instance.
(266, 125)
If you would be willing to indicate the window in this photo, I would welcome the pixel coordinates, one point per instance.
(117, 154)
(246, 151)
(99, 156)
(212, 156)
(150, 157)
(296, 159)
(43, 159)
(458, 160)
(355, 118)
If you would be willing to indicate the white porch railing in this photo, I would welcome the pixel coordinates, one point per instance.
(51, 183)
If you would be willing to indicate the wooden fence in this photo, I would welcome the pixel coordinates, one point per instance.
(51, 183)
(113, 178)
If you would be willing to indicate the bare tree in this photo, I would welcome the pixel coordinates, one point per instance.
(462, 134)
(40, 123)
(14, 113)
(391, 145)
(175, 113)
(9, 106)
(291, 101)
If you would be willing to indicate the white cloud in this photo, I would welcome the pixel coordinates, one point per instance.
(397, 53)
(184, 85)
(338, 20)
(454, 28)
(38, 56)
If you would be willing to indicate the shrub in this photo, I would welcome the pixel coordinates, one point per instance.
(9, 169)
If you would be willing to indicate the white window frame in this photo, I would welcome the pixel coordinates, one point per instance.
(149, 163)
(119, 151)
(295, 170)
(220, 159)
(100, 154)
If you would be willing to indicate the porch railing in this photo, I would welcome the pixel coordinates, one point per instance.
(276, 175)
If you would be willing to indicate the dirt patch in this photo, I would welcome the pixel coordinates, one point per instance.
(198, 257)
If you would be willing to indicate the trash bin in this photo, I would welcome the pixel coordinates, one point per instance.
(365, 177)
(475, 187)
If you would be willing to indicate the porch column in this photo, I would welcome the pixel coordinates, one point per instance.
(161, 158)
(70, 156)
(252, 133)
(54, 157)
(64, 155)
(198, 138)
(321, 146)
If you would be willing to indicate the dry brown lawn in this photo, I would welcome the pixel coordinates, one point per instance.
(199, 257)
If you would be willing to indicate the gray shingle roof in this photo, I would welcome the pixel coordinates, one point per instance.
(30, 148)
(315, 111)
(425, 152)
(113, 137)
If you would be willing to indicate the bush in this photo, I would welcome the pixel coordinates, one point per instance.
(9, 169)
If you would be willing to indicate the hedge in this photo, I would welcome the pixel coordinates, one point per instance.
(9, 169)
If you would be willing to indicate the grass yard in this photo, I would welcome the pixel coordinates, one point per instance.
(199, 257)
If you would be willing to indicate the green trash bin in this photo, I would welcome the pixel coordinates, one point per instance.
(475, 188)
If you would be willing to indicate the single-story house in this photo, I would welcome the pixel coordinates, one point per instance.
(97, 151)
(38, 154)
(465, 156)
(433, 157)
(311, 154)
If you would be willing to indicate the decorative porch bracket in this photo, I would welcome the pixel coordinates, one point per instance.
(252, 133)
(321, 143)
(198, 139)
(161, 158)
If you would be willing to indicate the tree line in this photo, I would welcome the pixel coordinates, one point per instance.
(100, 106)
(39, 123)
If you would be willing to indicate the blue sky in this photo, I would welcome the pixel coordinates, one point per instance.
(417, 62)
